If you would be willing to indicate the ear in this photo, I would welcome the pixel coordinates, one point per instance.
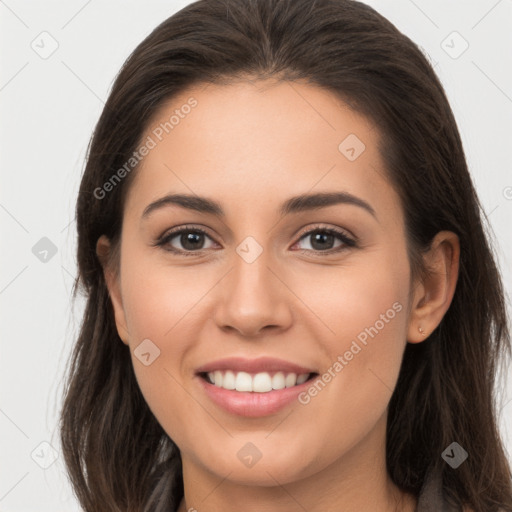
(433, 295)
(103, 251)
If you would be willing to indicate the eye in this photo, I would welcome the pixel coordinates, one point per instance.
(190, 238)
(322, 240)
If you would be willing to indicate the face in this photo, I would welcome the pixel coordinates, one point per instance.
(324, 288)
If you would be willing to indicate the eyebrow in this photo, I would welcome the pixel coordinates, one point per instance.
(301, 203)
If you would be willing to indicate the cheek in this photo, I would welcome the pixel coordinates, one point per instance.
(364, 300)
(366, 313)
(162, 324)
(364, 307)
(159, 299)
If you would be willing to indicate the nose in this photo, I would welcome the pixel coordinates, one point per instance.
(254, 298)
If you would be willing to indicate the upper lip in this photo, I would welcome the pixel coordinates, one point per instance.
(261, 364)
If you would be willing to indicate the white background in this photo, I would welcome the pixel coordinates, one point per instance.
(49, 108)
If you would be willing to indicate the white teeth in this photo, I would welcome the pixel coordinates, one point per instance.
(229, 380)
(259, 383)
(243, 382)
(262, 382)
(302, 378)
(291, 380)
(278, 381)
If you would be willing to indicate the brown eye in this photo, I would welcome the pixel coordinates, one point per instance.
(191, 240)
(323, 240)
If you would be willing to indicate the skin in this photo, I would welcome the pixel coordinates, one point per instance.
(250, 146)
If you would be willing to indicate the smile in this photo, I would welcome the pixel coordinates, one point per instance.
(253, 387)
(262, 382)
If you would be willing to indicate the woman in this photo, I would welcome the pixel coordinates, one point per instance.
(222, 365)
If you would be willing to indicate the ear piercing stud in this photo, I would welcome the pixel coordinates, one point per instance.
(421, 330)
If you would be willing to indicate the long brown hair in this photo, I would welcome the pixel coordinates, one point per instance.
(118, 456)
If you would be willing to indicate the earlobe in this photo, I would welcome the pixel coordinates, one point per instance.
(434, 294)
(103, 250)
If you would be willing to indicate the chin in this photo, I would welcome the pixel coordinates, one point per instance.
(266, 471)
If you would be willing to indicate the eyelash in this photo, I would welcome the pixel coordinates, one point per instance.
(347, 241)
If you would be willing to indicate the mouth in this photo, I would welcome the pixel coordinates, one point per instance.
(253, 395)
(253, 387)
(261, 382)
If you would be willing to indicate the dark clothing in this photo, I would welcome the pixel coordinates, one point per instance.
(431, 497)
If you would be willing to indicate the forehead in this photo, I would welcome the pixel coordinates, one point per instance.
(253, 143)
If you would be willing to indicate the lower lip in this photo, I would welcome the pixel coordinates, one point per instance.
(252, 404)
